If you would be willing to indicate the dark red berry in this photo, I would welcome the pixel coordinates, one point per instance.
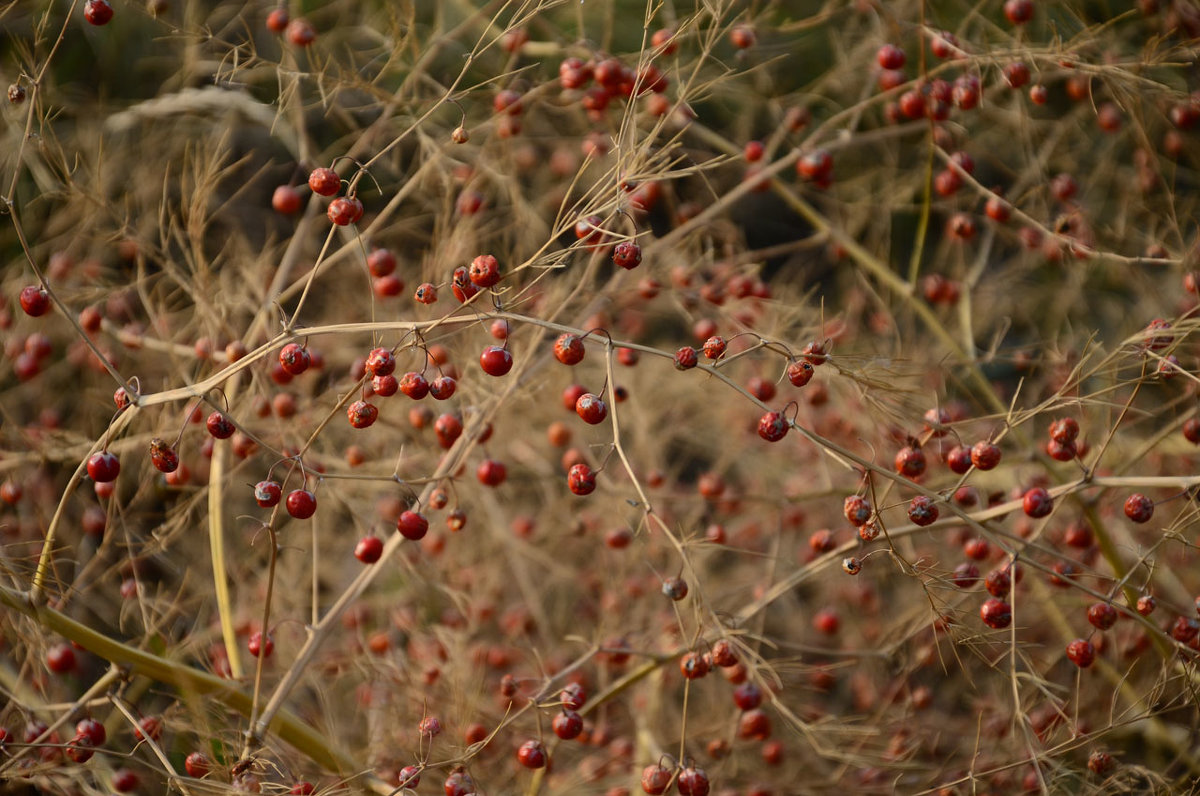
(581, 480)
(686, 358)
(922, 510)
(1037, 502)
(362, 414)
(773, 426)
(996, 613)
(369, 549)
(627, 254)
(910, 461)
(532, 754)
(985, 455)
(1139, 508)
(103, 467)
(97, 12)
(219, 426)
(412, 525)
(163, 456)
(495, 361)
(1081, 653)
(35, 301)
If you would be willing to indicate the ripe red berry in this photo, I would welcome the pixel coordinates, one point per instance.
(568, 349)
(1016, 74)
(325, 182)
(301, 504)
(1064, 430)
(385, 385)
(1102, 615)
(484, 271)
(742, 36)
(412, 525)
(277, 20)
(459, 783)
(448, 428)
(495, 361)
(197, 765)
(890, 56)
(998, 583)
(491, 472)
(773, 426)
(997, 209)
(442, 388)
(591, 408)
(369, 549)
(286, 200)
(267, 493)
(35, 301)
(922, 510)
(148, 727)
(532, 754)
(301, 33)
(97, 12)
(1037, 502)
(60, 658)
(1081, 653)
(1191, 430)
(996, 613)
(260, 645)
(1018, 12)
(103, 467)
(655, 779)
(219, 426)
(1139, 508)
(380, 362)
(581, 480)
(692, 781)
(568, 724)
(294, 358)
(413, 385)
(627, 254)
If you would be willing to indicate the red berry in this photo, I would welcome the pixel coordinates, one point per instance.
(103, 467)
(581, 480)
(857, 510)
(344, 210)
(301, 33)
(1016, 74)
(742, 36)
(442, 388)
(627, 254)
(747, 696)
(448, 428)
(773, 426)
(532, 754)
(409, 777)
(1139, 508)
(97, 12)
(426, 293)
(1018, 12)
(1191, 430)
(148, 727)
(890, 56)
(714, 348)
(380, 362)
(325, 182)
(1037, 502)
(277, 20)
(996, 613)
(303, 788)
(381, 262)
(997, 209)
(495, 361)
(922, 510)
(1064, 430)
(692, 781)
(267, 493)
(686, 358)
(998, 583)
(369, 549)
(294, 358)
(260, 645)
(591, 408)
(655, 779)
(459, 783)
(197, 765)
(60, 658)
(301, 504)
(1081, 653)
(985, 455)
(568, 349)
(484, 270)
(910, 461)
(163, 456)
(567, 725)
(412, 525)
(220, 426)
(461, 285)
(286, 200)
(362, 414)
(491, 472)
(385, 385)
(35, 301)
(413, 385)
(1102, 615)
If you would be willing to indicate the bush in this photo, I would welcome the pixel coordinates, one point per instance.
(581, 398)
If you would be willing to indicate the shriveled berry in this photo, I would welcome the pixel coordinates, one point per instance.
(910, 461)
(627, 254)
(362, 414)
(857, 510)
(484, 270)
(220, 426)
(922, 510)
(686, 358)
(294, 358)
(581, 479)
(163, 456)
(1139, 508)
(773, 426)
(985, 455)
